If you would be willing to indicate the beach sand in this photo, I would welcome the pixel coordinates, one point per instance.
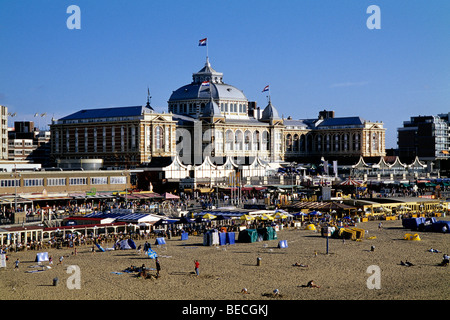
(224, 271)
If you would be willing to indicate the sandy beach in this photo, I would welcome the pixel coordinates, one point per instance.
(225, 270)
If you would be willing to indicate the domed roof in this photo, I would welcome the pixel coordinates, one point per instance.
(212, 109)
(270, 112)
(216, 88)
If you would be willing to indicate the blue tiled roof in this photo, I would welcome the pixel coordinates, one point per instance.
(107, 113)
(345, 121)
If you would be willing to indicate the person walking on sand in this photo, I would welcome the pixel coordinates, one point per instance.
(17, 264)
(61, 259)
(197, 265)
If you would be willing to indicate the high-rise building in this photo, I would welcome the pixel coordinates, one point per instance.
(4, 133)
(426, 137)
(27, 143)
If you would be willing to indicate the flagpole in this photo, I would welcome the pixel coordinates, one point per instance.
(207, 57)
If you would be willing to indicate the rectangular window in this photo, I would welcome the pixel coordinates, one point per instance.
(33, 182)
(77, 181)
(56, 182)
(9, 183)
(118, 180)
(99, 180)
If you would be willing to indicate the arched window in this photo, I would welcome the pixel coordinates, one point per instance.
(345, 146)
(229, 138)
(256, 140)
(289, 142)
(265, 141)
(238, 140)
(296, 143)
(248, 140)
(159, 137)
(319, 142)
(302, 143)
(357, 142)
(336, 143)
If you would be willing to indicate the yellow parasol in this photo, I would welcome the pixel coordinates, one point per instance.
(280, 215)
(246, 217)
(265, 217)
(209, 216)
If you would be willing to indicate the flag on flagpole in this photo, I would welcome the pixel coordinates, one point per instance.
(202, 42)
(205, 84)
(266, 88)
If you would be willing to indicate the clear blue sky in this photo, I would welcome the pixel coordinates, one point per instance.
(315, 55)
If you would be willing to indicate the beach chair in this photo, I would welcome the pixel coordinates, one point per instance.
(160, 241)
(282, 244)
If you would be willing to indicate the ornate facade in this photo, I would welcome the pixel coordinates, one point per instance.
(332, 137)
(215, 119)
(122, 137)
(209, 118)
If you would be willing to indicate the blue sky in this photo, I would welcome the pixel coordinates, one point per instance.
(315, 55)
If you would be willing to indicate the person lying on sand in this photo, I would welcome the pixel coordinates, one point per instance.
(310, 284)
(244, 291)
(406, 263)
(300, 265)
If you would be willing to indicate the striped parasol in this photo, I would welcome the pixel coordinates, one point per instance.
(350, 182)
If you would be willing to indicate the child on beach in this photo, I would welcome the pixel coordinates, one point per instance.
(197, 265)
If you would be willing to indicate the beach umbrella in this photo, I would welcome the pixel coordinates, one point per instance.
(246, 217)
(209, 216)
(280, 215)
(265, 217)
(314, 213)
(299, 214)
(168, 195)
(350, 182)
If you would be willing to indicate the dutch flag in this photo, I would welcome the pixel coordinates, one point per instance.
(205, 84)
(266, 88)
(202, 42)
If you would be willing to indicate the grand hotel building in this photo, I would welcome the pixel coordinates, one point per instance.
(209, 118)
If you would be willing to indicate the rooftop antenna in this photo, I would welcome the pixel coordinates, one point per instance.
(148, 97)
